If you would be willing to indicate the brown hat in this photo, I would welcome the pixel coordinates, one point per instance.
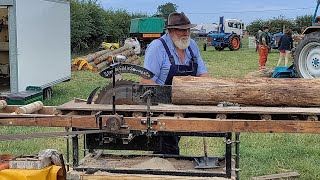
(179, 21)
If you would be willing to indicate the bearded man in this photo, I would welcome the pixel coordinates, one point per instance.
(174, 54)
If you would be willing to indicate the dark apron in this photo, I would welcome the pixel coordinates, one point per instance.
(170, 144)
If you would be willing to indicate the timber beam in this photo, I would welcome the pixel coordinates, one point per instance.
(173, 124)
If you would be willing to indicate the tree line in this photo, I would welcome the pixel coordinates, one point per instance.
(276, 24)
(91, 24)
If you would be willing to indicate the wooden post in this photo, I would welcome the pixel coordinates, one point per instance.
(294, 92)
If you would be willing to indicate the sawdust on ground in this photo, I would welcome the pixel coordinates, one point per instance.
(155, 163)
(266, 72)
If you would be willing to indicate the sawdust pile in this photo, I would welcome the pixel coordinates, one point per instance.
(267, 72)
(155, 163)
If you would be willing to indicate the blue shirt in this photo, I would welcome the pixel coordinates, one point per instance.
(157, 60)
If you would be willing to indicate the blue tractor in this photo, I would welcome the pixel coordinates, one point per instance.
(274, 40)
(306, 62)
(307, 53)
(228, 35)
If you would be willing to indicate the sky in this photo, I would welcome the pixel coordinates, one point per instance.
(209, 11)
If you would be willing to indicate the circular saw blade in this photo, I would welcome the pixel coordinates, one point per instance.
(123, 91)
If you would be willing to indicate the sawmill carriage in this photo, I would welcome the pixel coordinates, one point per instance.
(130, 116)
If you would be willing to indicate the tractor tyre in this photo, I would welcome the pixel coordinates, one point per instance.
(204, 47)
(307, 56)
(234, 42)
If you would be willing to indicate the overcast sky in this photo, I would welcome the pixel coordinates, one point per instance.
(208, 11)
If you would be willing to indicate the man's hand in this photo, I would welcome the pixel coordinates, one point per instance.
(203, 75)
(147, 81)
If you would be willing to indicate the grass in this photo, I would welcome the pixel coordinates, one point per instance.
(261, 154)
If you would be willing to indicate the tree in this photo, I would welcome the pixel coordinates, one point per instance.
(165, 9)
(302, 21)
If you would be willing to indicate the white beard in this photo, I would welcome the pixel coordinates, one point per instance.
(182, 43)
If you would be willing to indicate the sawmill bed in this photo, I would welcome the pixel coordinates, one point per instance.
(151, 164)
(77, 107)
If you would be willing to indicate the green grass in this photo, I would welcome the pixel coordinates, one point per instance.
(261, 154)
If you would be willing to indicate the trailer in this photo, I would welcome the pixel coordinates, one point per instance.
(34, 45)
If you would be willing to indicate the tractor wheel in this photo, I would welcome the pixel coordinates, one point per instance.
(234, 42)
(204, 47)
(307, 56)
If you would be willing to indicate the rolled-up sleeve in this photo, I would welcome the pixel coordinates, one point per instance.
(152, 60)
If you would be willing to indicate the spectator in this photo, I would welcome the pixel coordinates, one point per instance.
(257, 39)
(285, 47)
(263, 47)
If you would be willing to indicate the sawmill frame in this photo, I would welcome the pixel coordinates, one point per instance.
(210, 121)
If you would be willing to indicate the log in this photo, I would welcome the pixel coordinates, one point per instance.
(3, 104)
(91, 57)
(104, 57)
(102, 65)
(133, 60)
(293, 92)
(127, 53)
(29, 108)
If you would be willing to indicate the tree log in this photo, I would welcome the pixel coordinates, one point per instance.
(29, 108)
(91, 57)
(3, 104)
(248, 91)
(104, 57)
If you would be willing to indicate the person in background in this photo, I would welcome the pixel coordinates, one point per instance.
(263, 47)
(285, 47)
(174, 54)
(257, 39)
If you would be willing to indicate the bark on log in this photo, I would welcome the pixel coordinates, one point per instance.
(102, 65)
(3, 104)
(133, 60)
(127, 53)
(91, 57)
(104, 57)
(248, 91)
(29, 108)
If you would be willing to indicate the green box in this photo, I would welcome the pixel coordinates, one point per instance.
(32, 94)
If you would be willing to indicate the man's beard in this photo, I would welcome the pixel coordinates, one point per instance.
(182, 43)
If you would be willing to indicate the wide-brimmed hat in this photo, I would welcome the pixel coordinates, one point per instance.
(179, 21)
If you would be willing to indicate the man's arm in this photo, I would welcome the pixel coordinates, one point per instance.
(147, 81)
(204, 75)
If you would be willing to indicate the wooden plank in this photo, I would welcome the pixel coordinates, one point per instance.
(214, 125)
(50, 121)
(250, 91)
(176, 124)
(110, 176)
(170, 108)
(288, 175)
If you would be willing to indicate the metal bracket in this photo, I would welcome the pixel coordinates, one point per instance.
(152, 121)
(99, 120)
